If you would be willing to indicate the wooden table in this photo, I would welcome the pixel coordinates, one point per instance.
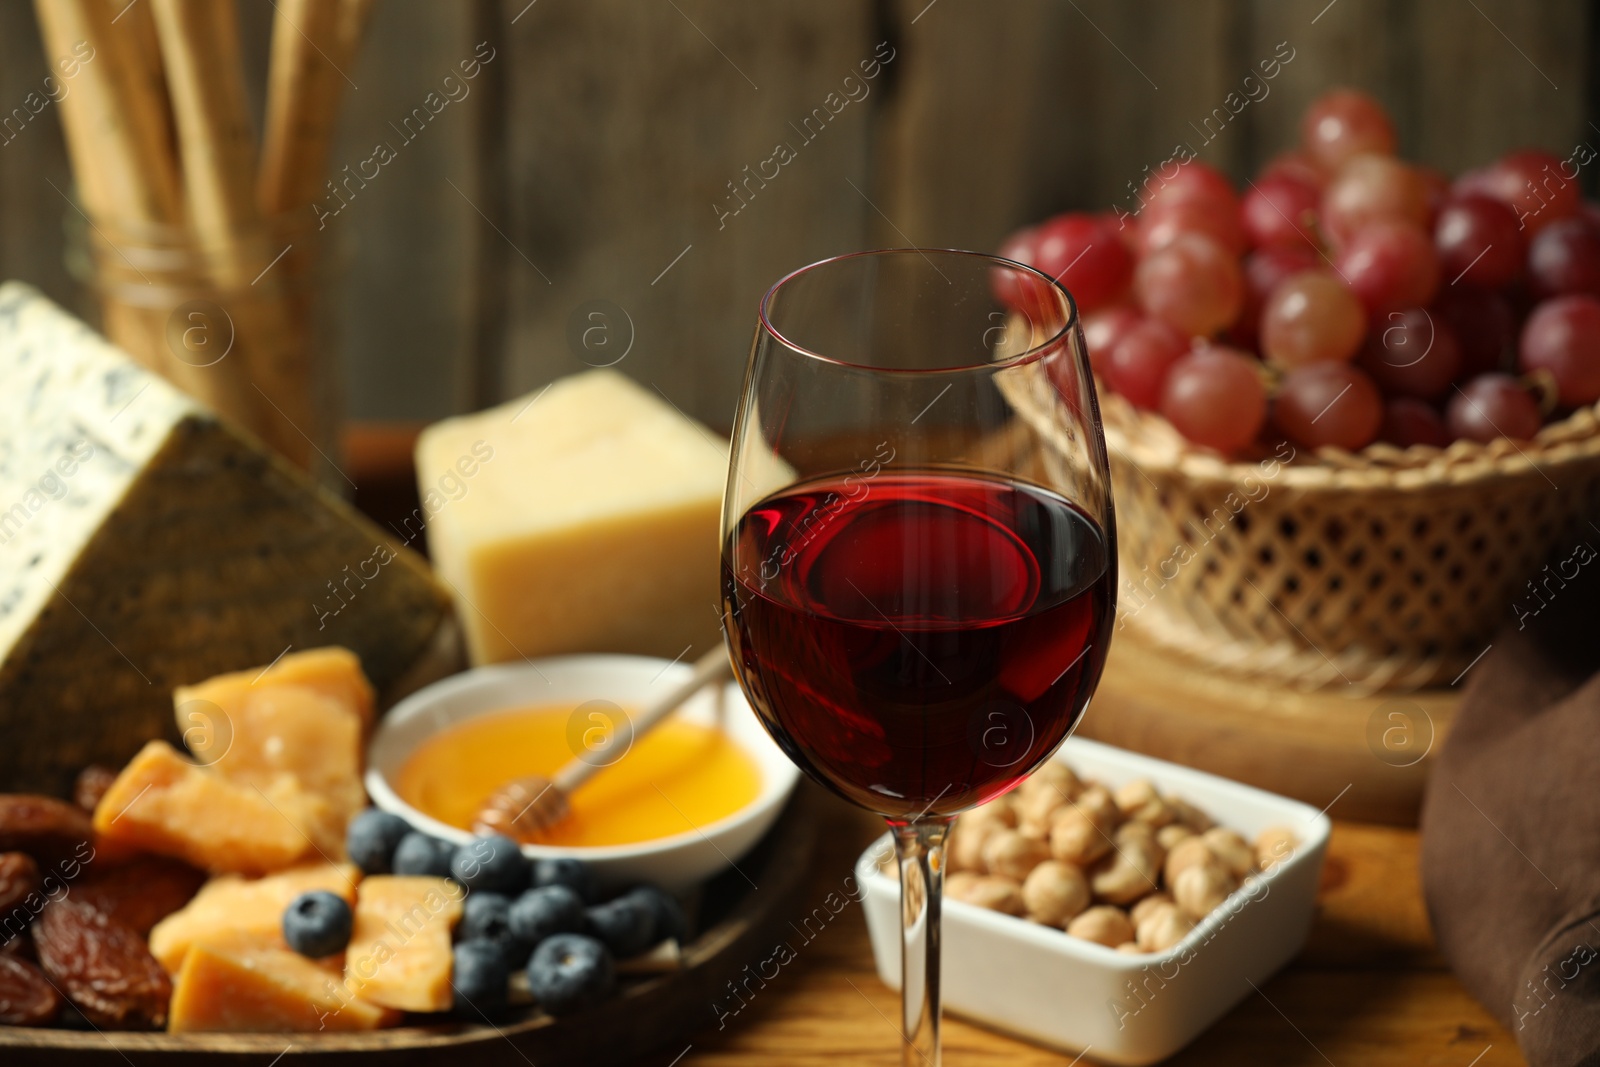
(1368, 991)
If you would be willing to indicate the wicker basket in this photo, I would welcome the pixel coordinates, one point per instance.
(1387, 569)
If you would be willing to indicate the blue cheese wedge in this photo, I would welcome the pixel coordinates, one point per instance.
(146, 544)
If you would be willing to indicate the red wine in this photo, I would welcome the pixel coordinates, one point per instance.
(918, 641)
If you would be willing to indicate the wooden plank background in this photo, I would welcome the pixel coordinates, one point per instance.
(590, 159)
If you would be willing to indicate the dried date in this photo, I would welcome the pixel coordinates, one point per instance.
(140, 892)
(92, 784)
(102, 966)
(26, 997)
(51, 831)
(19, 879)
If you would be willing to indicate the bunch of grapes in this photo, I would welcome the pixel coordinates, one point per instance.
(1345, 297)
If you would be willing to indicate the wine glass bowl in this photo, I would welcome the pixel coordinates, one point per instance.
(918, 552)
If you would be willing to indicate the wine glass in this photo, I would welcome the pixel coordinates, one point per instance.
(918, 547)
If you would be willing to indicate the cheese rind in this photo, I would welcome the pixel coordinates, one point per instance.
(581, 518)
(144, 544)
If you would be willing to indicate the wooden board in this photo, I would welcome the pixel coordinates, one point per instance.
(1367, 756)
(748, 909)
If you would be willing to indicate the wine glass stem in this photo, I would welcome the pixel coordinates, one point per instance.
(920, 847)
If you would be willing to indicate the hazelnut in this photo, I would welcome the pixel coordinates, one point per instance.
(1201, 889)
(1054, 778)
(1079, 837)
(986, 891)
(1128, 873)
(1274, 845)
(1103, 925)
(1189, 815)
(965, 845)
(1036, 809)
(1147, 905)
(958, 884)
(1054, 892)
(1168, 836)
(1162, 927)
(1134, 795)
(1130, 948)
(1013, 854)
(998, 811)
(1232, 849)
(1098, 802)
(1187, 853)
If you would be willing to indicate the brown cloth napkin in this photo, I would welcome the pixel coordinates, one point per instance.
(1511, 821)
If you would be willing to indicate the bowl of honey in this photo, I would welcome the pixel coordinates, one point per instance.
(672, 806)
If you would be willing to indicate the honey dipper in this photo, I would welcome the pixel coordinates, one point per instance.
(524, 808)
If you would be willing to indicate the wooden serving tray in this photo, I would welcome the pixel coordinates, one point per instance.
(742, 913)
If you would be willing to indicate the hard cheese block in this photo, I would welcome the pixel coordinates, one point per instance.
(144, 544)
(583, 518)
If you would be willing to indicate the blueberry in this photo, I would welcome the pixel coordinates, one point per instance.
(317, 924)
(670, 921)
(569, 971)
(626, 925)
(372, 838)
(418, 853)
(574, 874)
(481, 976)
(486, 917)
(494, 863)
(551, 909)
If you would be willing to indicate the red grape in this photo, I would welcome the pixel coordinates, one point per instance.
(1532, 183)
(1263, 270)
(1390, 266)
(1492, 406)
(1137, 366)
(1296, 165)
(1309, 318)
(1019, 247)
(1103, 329)
(1562, 336)
(1195, 182)
(1408, 421)
(1328, 404)
(1411, 354)
(1193, 284)
(1479, 242)
(1215, 398)
(1483, 324)
(1342, 124)
(1160, 223)
(1368, 189)
(1281, 209)
(1436, 189)
(1085, 254)
(1564, 257)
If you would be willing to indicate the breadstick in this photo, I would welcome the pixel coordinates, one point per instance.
(314, 43)
(200, 50)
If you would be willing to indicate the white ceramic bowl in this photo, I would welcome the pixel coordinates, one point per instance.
(675, 862)
(1036, 982)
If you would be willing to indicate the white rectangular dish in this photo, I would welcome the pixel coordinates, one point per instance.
(1040, 984)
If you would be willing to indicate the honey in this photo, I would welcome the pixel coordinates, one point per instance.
(681, 776)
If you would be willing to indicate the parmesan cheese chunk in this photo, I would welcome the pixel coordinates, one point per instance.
(580, 519)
